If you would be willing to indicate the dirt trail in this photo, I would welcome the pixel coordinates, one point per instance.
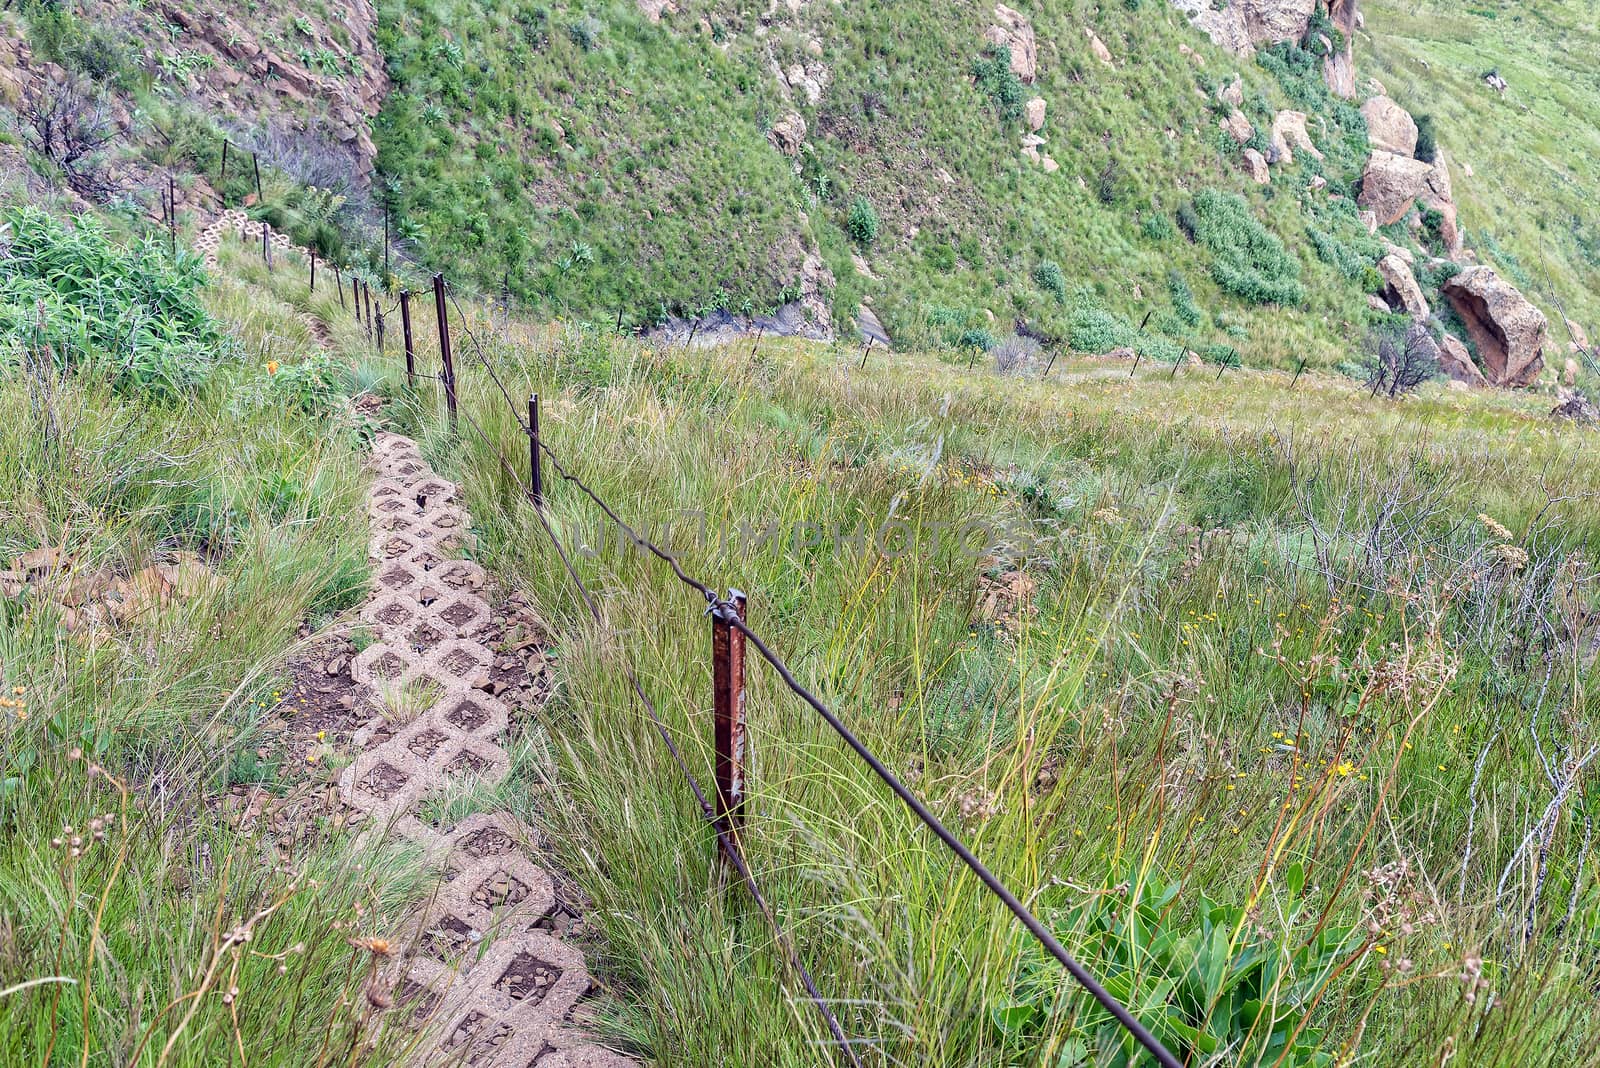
(484, 968)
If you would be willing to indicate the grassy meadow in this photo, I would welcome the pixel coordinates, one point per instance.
(1273, 704)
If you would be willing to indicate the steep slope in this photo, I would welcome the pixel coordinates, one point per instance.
(596, 159)
(1529, 201)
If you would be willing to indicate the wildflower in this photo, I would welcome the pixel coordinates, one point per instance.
(1344, 769)
(272, 367)
(1494, 528)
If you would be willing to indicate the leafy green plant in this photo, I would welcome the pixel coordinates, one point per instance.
(74, 298)
(994, 76)
(1204, 978)
(1427, 139)
(1248, 260)
(861, 222)
(1051, 279)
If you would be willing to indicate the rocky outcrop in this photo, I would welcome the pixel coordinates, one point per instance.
(1507, 330)
(263, 81)
(1456, 362)
(1390, 127)
(1236, 126)
(1578, 338)
(1271, 21)
(1288, 134)
(1255, 165)
(1339, 65)
(1241, 25)
(1033, 112)
(1400, 287)
(808, 79)
(1013, 31)
(788, 134)
(1391, 184)
(654, 9)
(1232, 93)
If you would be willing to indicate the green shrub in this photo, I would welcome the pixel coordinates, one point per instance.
(977, 338)
(75, 298)
(861, 222)
(586, 32)
(1248, 260)
(1427, 140)
(1183, 300)
(1051, 279)
(1157, 227)
(992, 71)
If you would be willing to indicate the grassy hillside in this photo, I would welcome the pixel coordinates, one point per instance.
(597, 162)
(1532, 204)
(1273, 668)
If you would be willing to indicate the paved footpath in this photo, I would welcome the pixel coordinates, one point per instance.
(483, 970)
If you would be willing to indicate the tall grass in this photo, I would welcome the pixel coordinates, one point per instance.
(1258, 722)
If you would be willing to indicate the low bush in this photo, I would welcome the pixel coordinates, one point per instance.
(1248, 260)
(861, 222)
(73, 298)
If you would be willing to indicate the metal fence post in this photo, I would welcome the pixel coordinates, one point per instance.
(313, 270)
(535, 466)
(255, 162)
(377, 326)
(172, 216)
(338, 284)
(405, 330)
(222, 171)
(446, 359)
(727, 694)
(1298, 372)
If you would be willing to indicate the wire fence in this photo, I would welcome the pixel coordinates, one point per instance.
(722, 808)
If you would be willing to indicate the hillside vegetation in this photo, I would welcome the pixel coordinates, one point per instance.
(598, 162)
(1533, 199)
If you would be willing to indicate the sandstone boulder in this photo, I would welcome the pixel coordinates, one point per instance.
(1508, 331)
(1232, 93)
(1098, 47)
(1400, 287)
(788, 134)
(1033, 111)
(1237, 126)
(1225, 27)
(1272, 21)
(1391, 184)
(1390, 127)
(1456, 362)
(1579, 337)
(1339, 67)
(1438, 194)
(1369, 219)
(1013, 31)
(1255, 165)
(1569, 373)
(1289, 133)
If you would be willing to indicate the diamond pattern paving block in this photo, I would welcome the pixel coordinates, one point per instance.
(521, 990)
(501, 893)
(462, 613)
(477, 759)
(460, 576)
(473, 713)
(391, 612)
(384, 667)
(571, 1050)
(385, 782)
(459, 661)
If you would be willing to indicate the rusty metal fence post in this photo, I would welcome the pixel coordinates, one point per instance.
(535, 466)
(405, 331)
(728, 705)
(446, 359)
(338, 284)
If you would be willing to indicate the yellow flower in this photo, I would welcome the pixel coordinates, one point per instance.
(272, 367)
(1344, 769)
